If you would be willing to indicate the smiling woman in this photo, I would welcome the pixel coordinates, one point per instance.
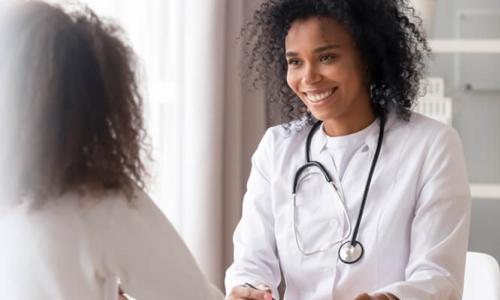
(354, 196)
(326, 72)
(388, 37)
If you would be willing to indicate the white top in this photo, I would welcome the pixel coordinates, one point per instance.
(74, 248)
(414, 229)
(342, 148)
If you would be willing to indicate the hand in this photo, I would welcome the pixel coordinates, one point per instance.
(121, 295)
(243, 292)
(378, 296)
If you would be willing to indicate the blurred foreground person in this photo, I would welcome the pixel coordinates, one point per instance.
(73, 214)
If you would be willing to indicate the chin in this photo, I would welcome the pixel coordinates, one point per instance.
(326, 115)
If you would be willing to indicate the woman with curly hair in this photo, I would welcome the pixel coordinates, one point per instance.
(73, 213)
(354, 196)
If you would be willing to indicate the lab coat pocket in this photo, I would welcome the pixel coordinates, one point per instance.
(320, 219)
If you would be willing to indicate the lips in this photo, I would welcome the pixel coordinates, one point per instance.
(316, 97)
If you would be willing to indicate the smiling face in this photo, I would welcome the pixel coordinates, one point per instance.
(326, 72)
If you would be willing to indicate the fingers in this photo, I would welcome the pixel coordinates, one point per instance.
(264, 287)
(247, 293)
(378, 296)
(363, 296)
(382, 296)
(268, 295)
(121, 294)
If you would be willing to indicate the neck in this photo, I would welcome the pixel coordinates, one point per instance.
(348, 124)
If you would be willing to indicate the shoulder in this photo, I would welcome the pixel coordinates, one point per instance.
(280, 143)
(60, 224)
(423, 142)
(41, 247)
(136, 220)
(138, 208)
(35, 223)
(289, 130)
(286, 134)
(420, 129)
(76, 218)
(427, 124)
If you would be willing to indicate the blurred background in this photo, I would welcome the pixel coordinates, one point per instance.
(204, 123)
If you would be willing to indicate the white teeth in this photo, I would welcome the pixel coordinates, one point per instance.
(320, 96)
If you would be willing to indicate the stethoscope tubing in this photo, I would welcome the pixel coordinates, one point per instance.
(310, 163)
(368, 182)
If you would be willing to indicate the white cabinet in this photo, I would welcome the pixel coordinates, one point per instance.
(465, 45)
(452, 46)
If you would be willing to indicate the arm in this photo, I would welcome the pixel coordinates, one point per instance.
(440, 228)
(149, 256)
(255, 255)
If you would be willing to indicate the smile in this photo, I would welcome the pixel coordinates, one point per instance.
(317, 97)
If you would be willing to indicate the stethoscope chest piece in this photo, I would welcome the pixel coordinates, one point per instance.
(349, 253)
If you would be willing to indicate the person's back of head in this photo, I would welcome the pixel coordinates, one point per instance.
(72, 110)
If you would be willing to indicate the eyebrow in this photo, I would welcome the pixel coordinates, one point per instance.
(317, 50)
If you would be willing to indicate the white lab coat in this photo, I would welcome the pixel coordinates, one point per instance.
(72, 248)
(414, 229)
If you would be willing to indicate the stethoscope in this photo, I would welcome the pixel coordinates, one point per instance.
(351, 250)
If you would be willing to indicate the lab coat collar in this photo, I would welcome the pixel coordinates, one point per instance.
(320, 139)
(372, 139)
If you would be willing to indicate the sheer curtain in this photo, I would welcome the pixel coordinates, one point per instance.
(202, 124)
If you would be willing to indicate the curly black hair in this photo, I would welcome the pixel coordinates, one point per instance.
(387, 33)
(76, 101)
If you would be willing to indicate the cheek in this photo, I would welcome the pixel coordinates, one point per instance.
(354, 83)
(353, 76)
(292, 81)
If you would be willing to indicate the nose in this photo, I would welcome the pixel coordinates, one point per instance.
(311, 75)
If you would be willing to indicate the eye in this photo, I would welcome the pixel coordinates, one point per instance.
(327, 58)
(294, 62)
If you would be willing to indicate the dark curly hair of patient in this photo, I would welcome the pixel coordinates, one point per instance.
(74, 88)
(387, 33)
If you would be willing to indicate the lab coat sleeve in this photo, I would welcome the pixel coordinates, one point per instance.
(149, 256)
(440, 228)
(255, 254)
